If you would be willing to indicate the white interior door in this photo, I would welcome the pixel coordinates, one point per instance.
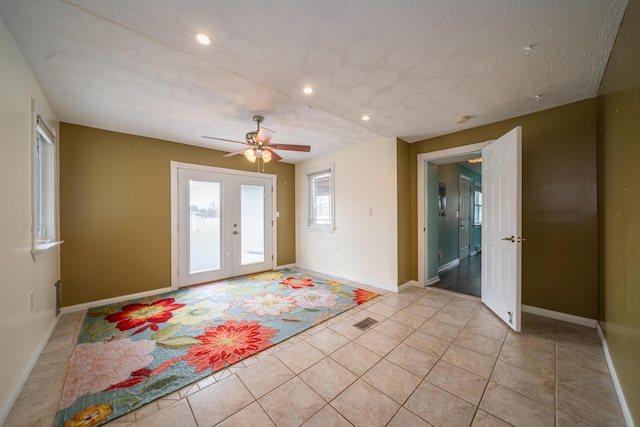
(501, 227)
(464, 216)
(224, 225)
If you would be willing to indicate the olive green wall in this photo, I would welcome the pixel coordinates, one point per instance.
(619, 206)
(404, 212)
(115, 210)
(559, 218)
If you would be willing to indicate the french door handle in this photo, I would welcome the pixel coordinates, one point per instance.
(512, 238)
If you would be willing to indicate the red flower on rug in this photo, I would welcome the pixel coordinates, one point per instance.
(297, 283)
(90, 416)
(362, 295)
(134, 315)
(228, 343)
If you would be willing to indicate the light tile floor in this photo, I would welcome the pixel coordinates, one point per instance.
(433, 358)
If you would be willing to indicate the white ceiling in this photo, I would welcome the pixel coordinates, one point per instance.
(414, 66)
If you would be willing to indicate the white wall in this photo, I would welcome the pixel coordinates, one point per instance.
(23, 332)
(363, 247)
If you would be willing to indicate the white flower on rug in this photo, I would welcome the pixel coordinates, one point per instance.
(311, 298)
(198, 313)
(269, 304)
(96, 366)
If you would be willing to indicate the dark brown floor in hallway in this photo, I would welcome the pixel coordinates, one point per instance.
(464, 278)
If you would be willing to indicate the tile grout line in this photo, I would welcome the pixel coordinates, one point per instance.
(489, 379)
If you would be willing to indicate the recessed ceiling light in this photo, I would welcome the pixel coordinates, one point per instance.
(308, 90)
(528, 49)
(366, 117)
(203, 39)
(462, 119)
(537, 97)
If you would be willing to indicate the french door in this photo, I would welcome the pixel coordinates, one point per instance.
(224, 224)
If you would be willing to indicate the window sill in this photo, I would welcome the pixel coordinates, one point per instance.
(320, 229)
(44, 249)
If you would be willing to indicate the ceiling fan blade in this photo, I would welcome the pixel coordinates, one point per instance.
(264, 136)
(233, 153)
(291, 147)
(222, 139)
(274, 156)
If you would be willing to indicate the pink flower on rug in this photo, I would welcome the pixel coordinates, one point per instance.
(96, 366)
(228, 343)
(134, 315)
(297, 283)
(90, 416)
(310, 298)
(362, 295)
(269, 304)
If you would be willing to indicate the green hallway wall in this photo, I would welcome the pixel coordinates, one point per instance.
(559, 203)
(115, 210)
(619, 206)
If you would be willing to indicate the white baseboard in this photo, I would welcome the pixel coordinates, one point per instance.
(289, 266)
(379, 285)
(448, 265)
(107, 301)
(614, 377)
(433, 280)
(570, 318)
(24, 376)
(409, 284)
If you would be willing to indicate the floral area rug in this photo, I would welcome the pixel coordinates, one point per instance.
(131, 353)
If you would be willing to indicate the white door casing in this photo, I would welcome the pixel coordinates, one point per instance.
(464, 216)
(233, 236)
(502, 227)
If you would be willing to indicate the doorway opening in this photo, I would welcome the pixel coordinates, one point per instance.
(222, 223)
(458, 237)
(450, 210)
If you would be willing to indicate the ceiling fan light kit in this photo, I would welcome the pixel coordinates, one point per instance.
(260, 146)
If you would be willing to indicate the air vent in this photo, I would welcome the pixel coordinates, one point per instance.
(365, 323)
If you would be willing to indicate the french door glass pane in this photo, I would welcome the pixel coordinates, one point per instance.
(252, 220)
(204, 226)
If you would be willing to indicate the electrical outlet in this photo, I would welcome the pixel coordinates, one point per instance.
(32, 300)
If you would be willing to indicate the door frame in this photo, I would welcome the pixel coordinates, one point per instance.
(451, 155)
(174, 166)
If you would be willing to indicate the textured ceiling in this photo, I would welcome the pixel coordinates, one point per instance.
(412, 65)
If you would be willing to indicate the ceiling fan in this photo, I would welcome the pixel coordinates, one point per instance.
(260, 146)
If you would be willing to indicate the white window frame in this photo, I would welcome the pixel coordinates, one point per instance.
(44, 229)
(312, 174)
(477, 207)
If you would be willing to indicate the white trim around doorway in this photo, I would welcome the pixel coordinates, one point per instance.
(450, 155)
(175, 165)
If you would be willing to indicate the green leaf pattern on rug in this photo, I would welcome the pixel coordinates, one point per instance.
(183, 341)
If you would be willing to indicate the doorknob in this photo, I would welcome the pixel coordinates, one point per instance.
(236, 232)
(521, 239)
(512, 238)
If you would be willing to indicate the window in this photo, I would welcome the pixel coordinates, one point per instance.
(44, 188)
(477, 206)
(321, 197)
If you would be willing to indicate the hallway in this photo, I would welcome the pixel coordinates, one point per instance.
(463, 278)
